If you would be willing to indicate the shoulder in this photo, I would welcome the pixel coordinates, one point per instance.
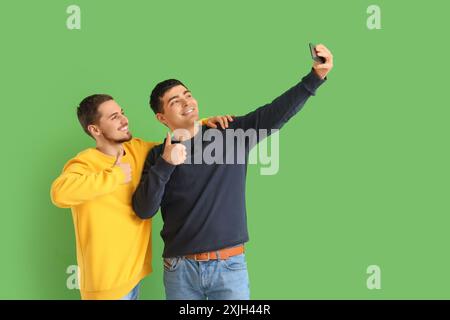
(155, 151)
(140, 145)
(83, 159)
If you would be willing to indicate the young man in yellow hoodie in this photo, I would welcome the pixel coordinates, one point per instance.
(113, 245)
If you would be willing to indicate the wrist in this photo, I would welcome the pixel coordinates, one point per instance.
(322, 74)
(166, 159)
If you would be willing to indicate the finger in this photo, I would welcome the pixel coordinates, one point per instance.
(230, 118)
(324, 56)
(181, 155)
(324, 52)
(180, 148)
(320, 47)
(168, 140)
(225, 120)
(119, 156)
(221, 123)
(211, 124)
(320, 52)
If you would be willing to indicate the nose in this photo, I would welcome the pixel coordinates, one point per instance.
(183, 102)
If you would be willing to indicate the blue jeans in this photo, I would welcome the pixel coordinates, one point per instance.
(186, 279)
(133, 294)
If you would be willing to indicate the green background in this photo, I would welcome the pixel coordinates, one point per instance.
(363, 173)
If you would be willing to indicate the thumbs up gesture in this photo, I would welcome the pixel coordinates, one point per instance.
(126, 168)
(174, 154)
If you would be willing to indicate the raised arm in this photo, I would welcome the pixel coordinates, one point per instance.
(275, 114)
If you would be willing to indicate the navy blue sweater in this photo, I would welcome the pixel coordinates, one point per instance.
(203, 204)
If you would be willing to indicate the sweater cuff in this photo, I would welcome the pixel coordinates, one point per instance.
(162, 168)
(312, 82)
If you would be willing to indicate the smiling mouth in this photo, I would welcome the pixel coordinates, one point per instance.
(124, 129)
(188, 111)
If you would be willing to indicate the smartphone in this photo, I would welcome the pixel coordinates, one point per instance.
(314, 55)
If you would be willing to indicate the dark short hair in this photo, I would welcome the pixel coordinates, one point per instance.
(87, 111)
(158, 92)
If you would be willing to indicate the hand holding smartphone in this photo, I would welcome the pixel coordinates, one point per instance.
(314, 55)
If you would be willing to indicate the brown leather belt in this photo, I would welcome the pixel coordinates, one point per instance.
(212, 255)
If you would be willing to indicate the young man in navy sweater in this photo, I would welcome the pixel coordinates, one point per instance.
(202, 201)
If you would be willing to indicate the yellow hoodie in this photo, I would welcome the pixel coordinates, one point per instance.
(114, 250)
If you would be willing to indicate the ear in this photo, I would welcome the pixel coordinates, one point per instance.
(161, 118)
(94, 130)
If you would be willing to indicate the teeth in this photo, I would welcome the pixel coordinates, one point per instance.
(124, 128)
(189, 111)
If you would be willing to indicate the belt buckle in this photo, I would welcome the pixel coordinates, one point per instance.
(200, 260)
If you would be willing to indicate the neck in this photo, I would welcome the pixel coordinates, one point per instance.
(111, 149)
(183, 134)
